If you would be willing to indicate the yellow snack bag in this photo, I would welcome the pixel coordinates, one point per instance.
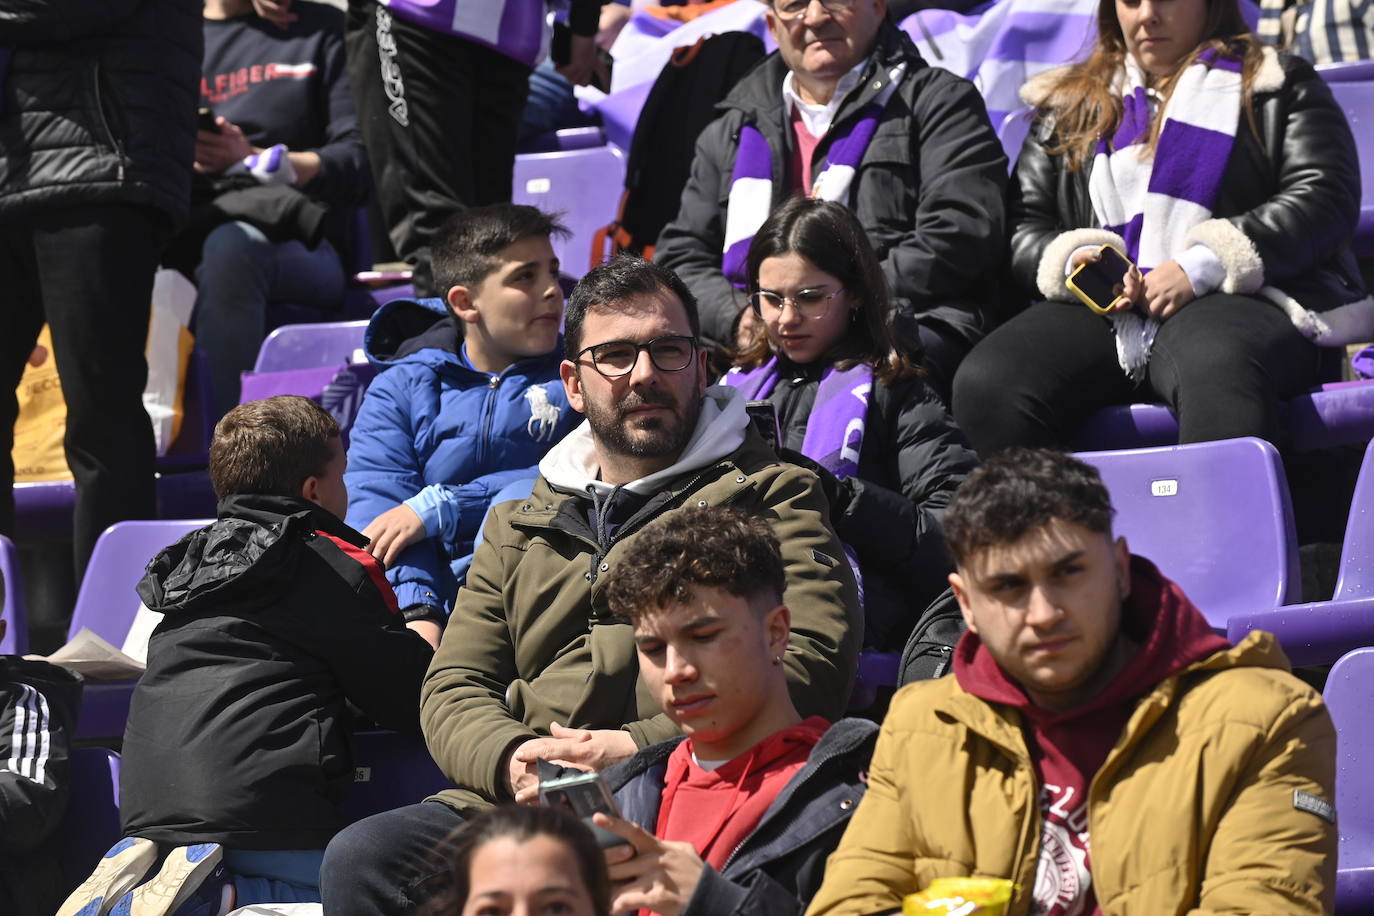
(960, 897)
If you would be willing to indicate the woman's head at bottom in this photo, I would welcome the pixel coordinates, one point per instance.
(519, 860)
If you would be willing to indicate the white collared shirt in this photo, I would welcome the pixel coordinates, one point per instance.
(817, 118)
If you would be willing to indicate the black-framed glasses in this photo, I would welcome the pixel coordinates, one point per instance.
(617, 358)
(795, 9)
(808, 303)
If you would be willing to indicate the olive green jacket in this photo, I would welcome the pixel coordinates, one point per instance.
(532, 640)
(1204, 805)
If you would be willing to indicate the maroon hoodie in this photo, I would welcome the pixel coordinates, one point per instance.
(1068, 748)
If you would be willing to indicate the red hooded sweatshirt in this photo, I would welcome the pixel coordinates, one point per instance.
(1068, 748)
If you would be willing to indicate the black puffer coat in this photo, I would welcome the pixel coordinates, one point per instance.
(929, 191)
(912, 460)
(239, 730)
(1294, 198)
(98, 103)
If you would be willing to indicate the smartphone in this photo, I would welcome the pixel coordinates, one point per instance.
(205, 120)
(584, 794)
(764, 416)
(560, 51)
(1099, 283)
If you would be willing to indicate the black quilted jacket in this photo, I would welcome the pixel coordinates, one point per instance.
(98, 103)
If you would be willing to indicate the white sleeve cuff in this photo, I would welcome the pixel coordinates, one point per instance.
(1068, 263)
(1204, 269)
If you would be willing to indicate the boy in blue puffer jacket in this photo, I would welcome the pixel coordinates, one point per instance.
(467, 402)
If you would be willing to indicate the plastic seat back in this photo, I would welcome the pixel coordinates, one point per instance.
(1353, 87)
(107, 603)
(1357, 554)
(1215, 517)
(1349, 696)
(582, 184)
(310, 346)
(13, 608)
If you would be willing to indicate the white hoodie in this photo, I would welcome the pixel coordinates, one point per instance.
(572, 464)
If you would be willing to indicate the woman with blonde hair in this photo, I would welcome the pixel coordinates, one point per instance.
(1228, 175)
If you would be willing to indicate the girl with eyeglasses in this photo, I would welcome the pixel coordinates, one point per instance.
(828, 350)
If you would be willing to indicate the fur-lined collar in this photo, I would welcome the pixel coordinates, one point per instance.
(1039, 90)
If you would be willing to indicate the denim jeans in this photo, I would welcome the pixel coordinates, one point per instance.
(241, 271)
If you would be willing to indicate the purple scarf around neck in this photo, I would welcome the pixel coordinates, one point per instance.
(751, 187)
(835, 428)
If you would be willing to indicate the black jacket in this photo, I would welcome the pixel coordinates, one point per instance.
(912, 460)
(98, 103)
(39, 704)
(778, 868)
(929, 190)
(1295, 196)
(238, 731)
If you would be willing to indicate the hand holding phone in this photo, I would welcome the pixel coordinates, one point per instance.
(205, 120)
(584, 794)
(1100, 283)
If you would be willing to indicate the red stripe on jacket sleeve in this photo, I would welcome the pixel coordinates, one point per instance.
(369, 563)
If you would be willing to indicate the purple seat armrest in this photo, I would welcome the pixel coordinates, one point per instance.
(1312, 634)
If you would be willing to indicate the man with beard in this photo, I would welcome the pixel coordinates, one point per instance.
(534, 665)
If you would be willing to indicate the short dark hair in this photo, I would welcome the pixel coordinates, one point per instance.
(1019, 490)
(520, 823)
(712, 546)
(271, 446)
(464, 249)
(608, 285)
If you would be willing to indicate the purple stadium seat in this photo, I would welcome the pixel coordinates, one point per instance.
(1353, 86)
(12, 606)
(310, 346)
(583, 184)
(390, 770)
(1337, 413)
(1012, 132)
(1213, 516)
(1320, 632)
(91, 824)
(1349, 696)
(107, 605)
(876, 669)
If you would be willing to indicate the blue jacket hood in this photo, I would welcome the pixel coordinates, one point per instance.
(421, 329)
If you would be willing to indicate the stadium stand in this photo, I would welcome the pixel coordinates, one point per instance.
(310, 346)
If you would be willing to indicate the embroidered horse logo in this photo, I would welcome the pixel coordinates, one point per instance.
(543, 414)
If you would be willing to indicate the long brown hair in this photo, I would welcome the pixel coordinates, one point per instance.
(1084, 101)
(830, 236)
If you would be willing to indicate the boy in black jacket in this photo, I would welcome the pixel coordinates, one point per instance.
(275, 619)
(39, 703)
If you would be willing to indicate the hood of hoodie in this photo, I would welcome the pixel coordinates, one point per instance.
(425, 331)
(1175, 636)
(572, 463)
(243, 550)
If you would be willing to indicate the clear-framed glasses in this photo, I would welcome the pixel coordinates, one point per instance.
(809, 303)
(795, 9)
(617, 358)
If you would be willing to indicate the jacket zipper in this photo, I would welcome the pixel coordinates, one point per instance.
(115, 145)
(488, 408)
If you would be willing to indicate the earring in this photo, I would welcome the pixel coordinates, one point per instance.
(777, 659)
(854, 315)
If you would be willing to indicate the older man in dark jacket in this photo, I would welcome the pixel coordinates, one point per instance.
(97, 126)
(848, 92)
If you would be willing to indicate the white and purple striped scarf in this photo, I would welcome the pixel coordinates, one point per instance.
(835, 427)
(1152, 202)
(751, 189)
